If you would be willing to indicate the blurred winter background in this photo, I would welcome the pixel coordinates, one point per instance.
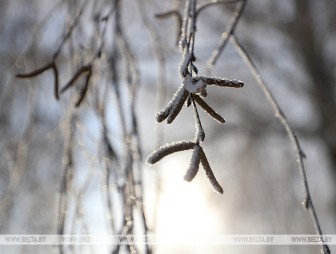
(100, 184)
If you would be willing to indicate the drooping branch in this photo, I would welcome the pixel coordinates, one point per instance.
(84, 70)
(190, 91)
(52, 65)
(308, 202)
(39, 71)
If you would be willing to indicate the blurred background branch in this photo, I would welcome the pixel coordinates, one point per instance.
(107, 188)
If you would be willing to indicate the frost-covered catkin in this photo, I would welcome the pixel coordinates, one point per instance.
(164, 113)
(222, 82)
(208, 109)
(169, 149)
(177, 105)
(210, 174)
(194, 164)
(192, 89)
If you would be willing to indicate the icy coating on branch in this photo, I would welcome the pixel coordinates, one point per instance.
(193, 87)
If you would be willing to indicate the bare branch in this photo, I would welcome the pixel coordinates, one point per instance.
(308, 202)
(52, 64)
(173, 13)
(68, 34)
(77, 74)
(214, 2)
(56, 86)
(168, 14)
(200, 134)
(39, 71)
(226, 35)
(86, 87)
(36, 72)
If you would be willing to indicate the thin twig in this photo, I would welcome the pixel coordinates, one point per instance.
(87, 71)
(214, 2)
(172, 13)
(39, 71)
(86, 88)
(36, 72)
(200, 134)
(308, 202)
(226, 35)
(68, 34)
(77, 74)
(56, 85)
(161, 92)
(52, 65)
(132, 190)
